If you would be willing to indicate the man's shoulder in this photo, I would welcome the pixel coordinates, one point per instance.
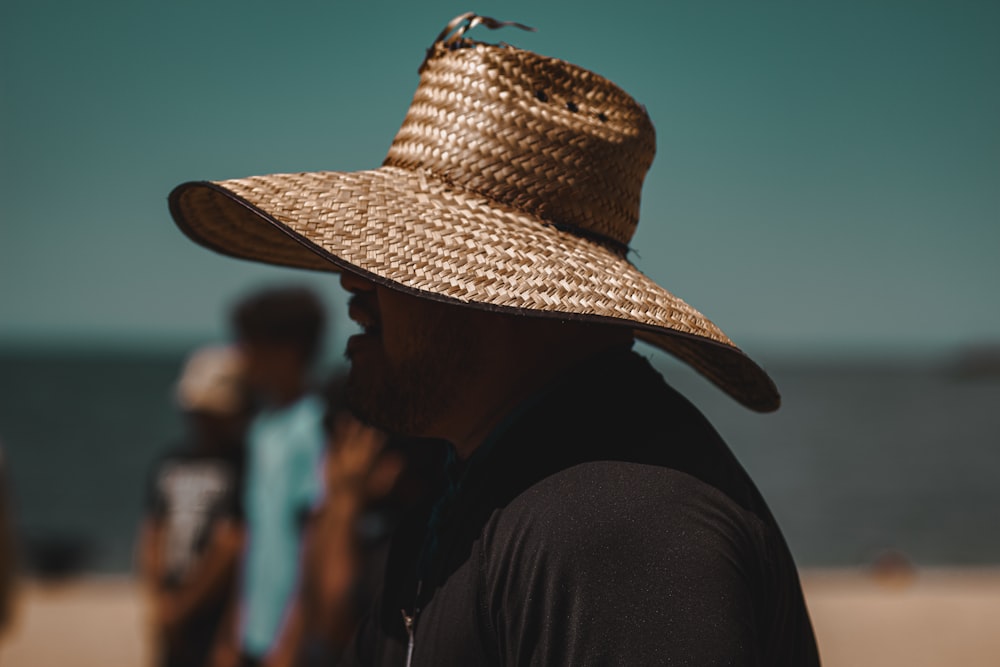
(623, 502)
(611, 530)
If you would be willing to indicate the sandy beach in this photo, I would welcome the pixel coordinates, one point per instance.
(938, 618)
(930, 618)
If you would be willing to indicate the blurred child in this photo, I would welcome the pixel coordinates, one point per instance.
(191, 535)
(278, 333)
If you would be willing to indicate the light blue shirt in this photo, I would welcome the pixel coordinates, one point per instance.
(284, 482)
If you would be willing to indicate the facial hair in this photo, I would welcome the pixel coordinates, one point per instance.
(408, 396)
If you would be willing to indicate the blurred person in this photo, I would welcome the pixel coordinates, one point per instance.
(336, 557)
(191, 535)
(8, 560)
(278, 332)
(372, 480)
(592, 515)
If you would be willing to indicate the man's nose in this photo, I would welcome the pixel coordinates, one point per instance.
(354, 283)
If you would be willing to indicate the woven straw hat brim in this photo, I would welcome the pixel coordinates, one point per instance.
(410, 231)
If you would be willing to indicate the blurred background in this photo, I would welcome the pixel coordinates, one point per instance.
(827, 190)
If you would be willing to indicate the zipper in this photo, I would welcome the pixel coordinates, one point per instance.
(410, 621)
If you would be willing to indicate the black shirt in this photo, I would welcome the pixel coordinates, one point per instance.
(605, 523)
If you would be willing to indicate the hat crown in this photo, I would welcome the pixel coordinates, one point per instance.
(535, 133)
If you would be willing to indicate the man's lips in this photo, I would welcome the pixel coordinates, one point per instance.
(365, 313)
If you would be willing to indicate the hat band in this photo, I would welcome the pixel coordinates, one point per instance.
(614, 245)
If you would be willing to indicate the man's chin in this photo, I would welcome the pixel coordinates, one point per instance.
(367, 400)
(384, 407)
(359, 396)
(362, 344)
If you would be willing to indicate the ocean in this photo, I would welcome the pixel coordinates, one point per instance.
(865, 457)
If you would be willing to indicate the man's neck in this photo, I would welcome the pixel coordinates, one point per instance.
(510, 380)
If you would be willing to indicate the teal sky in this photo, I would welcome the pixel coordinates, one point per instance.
(828, 173)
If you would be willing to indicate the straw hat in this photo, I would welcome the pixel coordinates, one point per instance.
(513, 185)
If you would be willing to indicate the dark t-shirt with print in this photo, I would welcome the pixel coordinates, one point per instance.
(189, 491)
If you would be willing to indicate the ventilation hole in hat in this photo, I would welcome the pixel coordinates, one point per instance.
(603, 117)
(572, 107)
(542, 97)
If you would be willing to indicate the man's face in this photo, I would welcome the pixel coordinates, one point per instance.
(411, 358)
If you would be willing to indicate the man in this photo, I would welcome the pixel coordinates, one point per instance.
(191, 535)
(592, 516)
(278, 332)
